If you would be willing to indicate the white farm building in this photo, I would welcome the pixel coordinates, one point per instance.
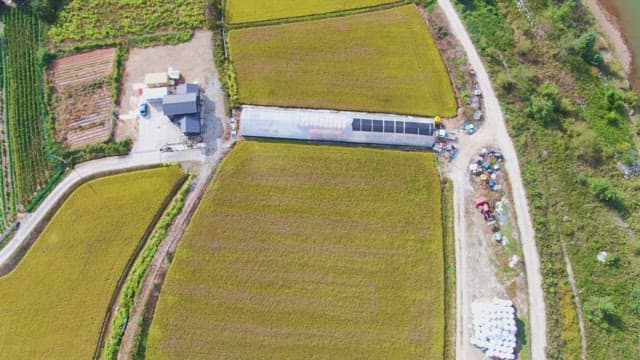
(339, 126)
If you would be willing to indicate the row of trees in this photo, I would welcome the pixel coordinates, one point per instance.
(43, 9)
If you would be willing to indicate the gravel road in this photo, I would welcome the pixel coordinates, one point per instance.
(493, 132)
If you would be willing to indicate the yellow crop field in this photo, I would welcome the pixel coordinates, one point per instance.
(53, 303)
(384, 61)
(242, 11)
(309, 251)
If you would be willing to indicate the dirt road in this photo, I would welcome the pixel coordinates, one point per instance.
(493, 132)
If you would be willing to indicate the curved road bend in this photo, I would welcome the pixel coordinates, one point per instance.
(494, 131)
(81, 172)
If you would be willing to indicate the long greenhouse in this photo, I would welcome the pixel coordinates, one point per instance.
(339, 126)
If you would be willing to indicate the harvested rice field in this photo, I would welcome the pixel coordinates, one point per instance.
(308, 251)
(83, 97)
(384, 61)
(53, 303)
(242, 11)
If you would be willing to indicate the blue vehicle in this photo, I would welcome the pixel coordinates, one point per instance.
(143, 109)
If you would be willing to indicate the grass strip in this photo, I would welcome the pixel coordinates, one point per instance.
(449, 241)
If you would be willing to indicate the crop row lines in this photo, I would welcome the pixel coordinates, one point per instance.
(25, 107)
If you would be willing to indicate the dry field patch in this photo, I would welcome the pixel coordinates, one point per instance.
(99, 21)
(301, 251)
(83, 97)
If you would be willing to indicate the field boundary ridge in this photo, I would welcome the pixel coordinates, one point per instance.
(312, 17)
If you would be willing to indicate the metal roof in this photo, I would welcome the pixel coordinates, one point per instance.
(154, 94)
(180, 104)
(187, 89)
(190, 124)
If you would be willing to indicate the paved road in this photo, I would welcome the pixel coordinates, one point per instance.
(493, 132)
(29, 222)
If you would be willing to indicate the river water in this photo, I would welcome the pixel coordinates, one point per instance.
(628, 14)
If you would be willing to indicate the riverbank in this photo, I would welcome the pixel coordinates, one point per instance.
(612, 31)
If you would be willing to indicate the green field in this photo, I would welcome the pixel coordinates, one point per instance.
(241, 11)
(109, 20)
(26, 167)
(385, 61)
(53, 303)
(303, 251)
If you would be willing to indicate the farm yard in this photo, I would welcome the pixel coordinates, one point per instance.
(82, 101)
(242, 11)
(54, 301)
(25, 164)
(83, 21)
(307, 250)
(384, 61)
(194, 59)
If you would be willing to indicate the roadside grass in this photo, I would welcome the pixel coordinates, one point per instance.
(384, 61)
(243, 11)
(301, 250)
(110, 20)
(450, 270)
(54, 302)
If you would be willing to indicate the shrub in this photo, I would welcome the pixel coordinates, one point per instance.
(604, 190)
(45, 57)
(588, 147)
(628, 156)
(597, 60)
(612, 260)
(602, 311)
(544, 105)
(585, 46)
(505, 82)
(524, 48)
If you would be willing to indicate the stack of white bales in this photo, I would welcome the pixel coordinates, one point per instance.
(494, 326)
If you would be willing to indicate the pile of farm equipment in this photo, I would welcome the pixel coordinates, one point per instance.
(486, 172)
(444, 145)
(485, 209)
(486, 169)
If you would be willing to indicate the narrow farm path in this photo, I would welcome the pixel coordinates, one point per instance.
(576, 299)
(146, 300)
(493, 132)
(29, 223)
